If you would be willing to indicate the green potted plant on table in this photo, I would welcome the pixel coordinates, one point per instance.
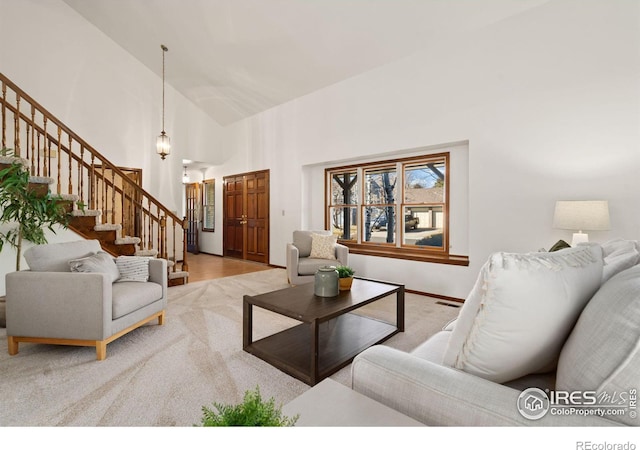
(252, 412)
(345, 277)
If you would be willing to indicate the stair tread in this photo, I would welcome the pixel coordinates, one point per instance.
(127, 240)
(108, 227)
(178, 274)
(86, 212)
(13, 159)
(69, 197)
(41, 180)
(151, 252)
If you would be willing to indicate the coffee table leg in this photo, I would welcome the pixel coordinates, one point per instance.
(314, 352)
(247, 323)
(400, 309)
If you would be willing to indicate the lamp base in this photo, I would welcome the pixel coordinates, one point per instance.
(579, 238)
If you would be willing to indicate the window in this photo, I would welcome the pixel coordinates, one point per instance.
(402, 211)
(208, 205)
(343, 215)
(379, 209)
(423, 205)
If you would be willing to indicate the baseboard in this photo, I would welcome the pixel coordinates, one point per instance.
(438, 296)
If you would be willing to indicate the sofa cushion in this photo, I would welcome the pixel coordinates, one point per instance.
(521, 310)
(133, 268)
(603, 351)
(323, 246)
(101, 262)
(302, 240)
(130, 296)
(433, 348)
(619, 254)
(56, 257)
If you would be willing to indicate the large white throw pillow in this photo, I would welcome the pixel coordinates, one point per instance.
(521, 310)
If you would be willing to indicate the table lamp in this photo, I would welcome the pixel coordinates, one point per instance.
(589, 215)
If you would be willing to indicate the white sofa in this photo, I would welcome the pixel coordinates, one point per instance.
(469, 374)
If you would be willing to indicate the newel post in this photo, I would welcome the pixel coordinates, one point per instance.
(185, 228)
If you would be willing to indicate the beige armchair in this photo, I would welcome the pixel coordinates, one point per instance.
(52, 305)
(300, 266)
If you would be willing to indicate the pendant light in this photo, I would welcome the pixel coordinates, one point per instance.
(185, 176)
(163, 143)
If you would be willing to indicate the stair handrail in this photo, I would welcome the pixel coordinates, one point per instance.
(80, 161)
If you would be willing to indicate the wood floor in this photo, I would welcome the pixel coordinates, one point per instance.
(208, 267)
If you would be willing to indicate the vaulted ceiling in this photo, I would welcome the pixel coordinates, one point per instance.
(236, 58)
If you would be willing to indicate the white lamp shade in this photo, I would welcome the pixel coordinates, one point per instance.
(592, 215)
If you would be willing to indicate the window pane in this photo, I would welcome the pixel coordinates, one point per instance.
(344, 222)
(344, 188)
(379, 224)
(424, 183)
(380, 186)
(424, 226)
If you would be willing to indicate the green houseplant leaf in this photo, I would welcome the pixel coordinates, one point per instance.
(345, 271)
(252, 412)
(30, 212)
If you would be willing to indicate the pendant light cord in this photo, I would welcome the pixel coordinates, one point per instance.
(164, 50)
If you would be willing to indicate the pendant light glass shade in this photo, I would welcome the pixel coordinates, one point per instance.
(163, 145)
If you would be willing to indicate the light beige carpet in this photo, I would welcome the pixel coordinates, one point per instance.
(163, 375)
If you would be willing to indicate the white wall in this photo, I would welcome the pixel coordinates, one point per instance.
(102, 93)
(548, 100)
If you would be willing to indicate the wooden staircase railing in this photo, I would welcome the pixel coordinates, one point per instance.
(79, 171)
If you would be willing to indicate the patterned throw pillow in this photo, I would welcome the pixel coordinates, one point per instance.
(133, 268)
(101, 262)
(323, 246)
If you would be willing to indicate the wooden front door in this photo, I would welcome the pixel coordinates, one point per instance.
(246, 216)
(193, 208)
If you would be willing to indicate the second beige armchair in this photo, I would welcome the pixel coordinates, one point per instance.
(301, 267)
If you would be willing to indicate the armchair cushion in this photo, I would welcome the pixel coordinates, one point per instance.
(101, 262)
(56, 257)
(521, 310)
(131, 296)
(323, 246)
(309, 266)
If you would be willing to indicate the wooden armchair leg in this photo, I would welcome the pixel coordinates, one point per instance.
(161, 318)
(101, 350)
(12, 344)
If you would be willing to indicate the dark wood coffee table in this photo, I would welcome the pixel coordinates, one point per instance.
(329, 336)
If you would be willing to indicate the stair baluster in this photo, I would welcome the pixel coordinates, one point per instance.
(78, 180)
